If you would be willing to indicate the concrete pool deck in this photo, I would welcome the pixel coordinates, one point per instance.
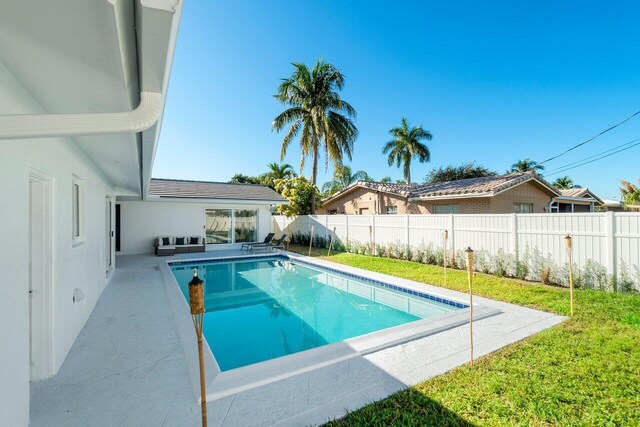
(127, 366)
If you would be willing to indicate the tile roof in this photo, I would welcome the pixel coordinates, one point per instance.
(174, 188)
(473, 187)
(580, 192)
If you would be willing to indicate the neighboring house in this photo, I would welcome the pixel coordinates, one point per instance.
(522, 192)
(576, 200)
(226, 214)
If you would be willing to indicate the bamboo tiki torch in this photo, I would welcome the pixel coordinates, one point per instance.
(311, 238)
(196, 303)
(470, 262)
(331, 241)
(569, 242)
(445, 236)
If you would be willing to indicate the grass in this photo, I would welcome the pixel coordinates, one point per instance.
(585, 371)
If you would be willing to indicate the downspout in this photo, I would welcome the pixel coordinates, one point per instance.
(23, 126)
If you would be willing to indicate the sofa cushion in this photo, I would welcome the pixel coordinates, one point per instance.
(165, 241)
(194, 240)
(180, 241)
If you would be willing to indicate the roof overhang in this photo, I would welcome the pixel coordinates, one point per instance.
(570, 199)
(205, 201)
(99, 71)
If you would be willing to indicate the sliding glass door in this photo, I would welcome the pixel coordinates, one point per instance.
(218, 226)
(246, 223)
(231, 225)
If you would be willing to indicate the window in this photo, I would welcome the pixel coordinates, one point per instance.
(392, 210)
(446, 209)
(523, 207)
(231, 226)
(77, 211)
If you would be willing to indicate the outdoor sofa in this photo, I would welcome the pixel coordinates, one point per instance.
(170, 245)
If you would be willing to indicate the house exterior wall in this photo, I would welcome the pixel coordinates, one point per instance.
(81, 266)
(366, 201)
(141, 222)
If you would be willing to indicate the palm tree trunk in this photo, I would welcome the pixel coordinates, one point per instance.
(407, 171)
(314, 174)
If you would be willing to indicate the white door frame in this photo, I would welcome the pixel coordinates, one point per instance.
(40, 286)
(109, 234)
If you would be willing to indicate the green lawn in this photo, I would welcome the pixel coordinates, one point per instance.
(585, 371)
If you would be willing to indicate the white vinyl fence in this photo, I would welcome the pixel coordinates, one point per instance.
(606, 245)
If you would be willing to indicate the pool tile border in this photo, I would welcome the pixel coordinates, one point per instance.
(334, 270)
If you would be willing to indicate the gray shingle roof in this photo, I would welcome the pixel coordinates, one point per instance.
(473, 187)
(174, 188)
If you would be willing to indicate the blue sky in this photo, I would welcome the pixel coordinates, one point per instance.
(493, 81)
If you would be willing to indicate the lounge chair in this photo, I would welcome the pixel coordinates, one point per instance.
(279, 244)
(266, 241)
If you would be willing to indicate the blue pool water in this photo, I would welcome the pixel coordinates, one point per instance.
(265, 308)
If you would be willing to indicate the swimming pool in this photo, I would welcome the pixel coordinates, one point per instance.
(259, 309)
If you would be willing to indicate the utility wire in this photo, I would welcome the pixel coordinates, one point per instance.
(592, 156)
(601, 156)
(590, 139)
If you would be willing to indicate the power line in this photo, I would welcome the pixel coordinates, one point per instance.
(601, 156)
(595, 155)
(591, 139)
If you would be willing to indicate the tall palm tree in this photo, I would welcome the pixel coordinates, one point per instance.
(342, 178)
(316, 112)
(563, 183)
(526, 165)
(406, 145)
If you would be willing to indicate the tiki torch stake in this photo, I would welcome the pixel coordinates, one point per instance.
(311, 239)
(196, 304)
(331, 241)
(470, 262)
(569, 242)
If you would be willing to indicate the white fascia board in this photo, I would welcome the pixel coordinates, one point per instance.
(215, 201)
(574, 199)
(21, 126)
(451, 196)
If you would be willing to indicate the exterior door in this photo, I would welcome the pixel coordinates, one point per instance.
(40, 283)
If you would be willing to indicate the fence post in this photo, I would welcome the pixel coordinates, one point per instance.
(408, 233)
(452, 241)
(309, 225)
(326, 227)
(373, 236)
(346, 227)
(612, 265)
(514, 235)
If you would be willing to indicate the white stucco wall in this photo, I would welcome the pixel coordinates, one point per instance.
(141, 222)
(82, 266)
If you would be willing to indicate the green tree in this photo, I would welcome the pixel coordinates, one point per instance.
(240, 178)
(563, 183)
(454, 173)
(406, 145)
(300, 193)
(526, 165)
(385, 180)
(342, 178)
(316, 112)
(277, 171)
(630, 192)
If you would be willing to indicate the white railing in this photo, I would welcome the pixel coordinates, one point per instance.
(603, 242)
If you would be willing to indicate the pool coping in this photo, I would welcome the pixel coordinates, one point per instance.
(220, 384)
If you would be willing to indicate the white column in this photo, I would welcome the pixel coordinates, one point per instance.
(408, 231)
